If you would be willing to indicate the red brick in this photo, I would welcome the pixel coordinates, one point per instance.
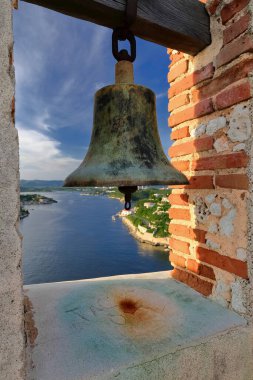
(233, 95)
(179, 213)
(230, 10)
(193, 281)
(181, 85)
(197, 182)
(182, 166)
(225, 161)
(202, 108)
(177, 260)
(200, 182)
(200, 269)
(191, 80)
(175, 57)
(179, 229)
(243, 44)
(213, 6)
(178, 101)
(197, 145)
(179, 245)
(179, 199)
(203, 74)
(198, 235)
(236, 29)
(232, 75)
(203, 144)
(179, 69)
(187, 232)
(232, 181)
(181, 133)
(239, 268)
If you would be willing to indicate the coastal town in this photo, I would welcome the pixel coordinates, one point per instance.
(147, 221)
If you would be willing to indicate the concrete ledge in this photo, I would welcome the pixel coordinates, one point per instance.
(133, 327)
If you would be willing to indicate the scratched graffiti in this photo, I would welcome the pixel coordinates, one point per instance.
(135, 312)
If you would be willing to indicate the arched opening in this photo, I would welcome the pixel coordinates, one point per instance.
(58, 70)
(139, 326)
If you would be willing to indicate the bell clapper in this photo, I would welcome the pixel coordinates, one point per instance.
(128, 190)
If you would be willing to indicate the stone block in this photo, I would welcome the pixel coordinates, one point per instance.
(215, 125)
(240, 124)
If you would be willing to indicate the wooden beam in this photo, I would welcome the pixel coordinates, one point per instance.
(179, 24)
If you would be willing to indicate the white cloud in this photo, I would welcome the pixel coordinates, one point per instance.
(41, 157)
(57, 62)
(41, 121)
(162, 95)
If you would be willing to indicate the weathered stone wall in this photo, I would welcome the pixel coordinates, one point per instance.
(211, 120)
(11, 300)
(212, 228)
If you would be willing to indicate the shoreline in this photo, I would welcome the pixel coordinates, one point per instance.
(146, 237)
(32, 200)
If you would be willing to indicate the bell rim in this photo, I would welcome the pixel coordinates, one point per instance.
(116, 183)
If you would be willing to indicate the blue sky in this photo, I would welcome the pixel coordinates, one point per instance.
(60, 62)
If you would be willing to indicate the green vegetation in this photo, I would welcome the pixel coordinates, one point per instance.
(151, 211)
(143, 194)
(150, 204)
(32, 199)
(156, 218)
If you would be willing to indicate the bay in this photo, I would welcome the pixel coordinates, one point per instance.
(76, 238)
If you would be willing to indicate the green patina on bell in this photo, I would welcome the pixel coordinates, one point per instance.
(125, 148)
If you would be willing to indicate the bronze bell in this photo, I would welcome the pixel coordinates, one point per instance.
(125, 148)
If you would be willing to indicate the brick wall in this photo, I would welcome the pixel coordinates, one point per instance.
(210, 106)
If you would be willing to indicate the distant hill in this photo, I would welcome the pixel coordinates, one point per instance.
(37, 184)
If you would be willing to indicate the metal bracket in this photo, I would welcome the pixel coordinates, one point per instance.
(124, 33)
(120, 34)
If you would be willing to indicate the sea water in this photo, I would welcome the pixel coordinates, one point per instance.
(76, 238)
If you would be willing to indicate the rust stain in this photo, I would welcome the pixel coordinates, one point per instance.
(141, 313)
(15, 4)
(128, 306)
(11, 55)
(137, 311)
(13, 110)
(31, 330)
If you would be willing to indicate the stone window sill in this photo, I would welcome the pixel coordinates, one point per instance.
(125, 327)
